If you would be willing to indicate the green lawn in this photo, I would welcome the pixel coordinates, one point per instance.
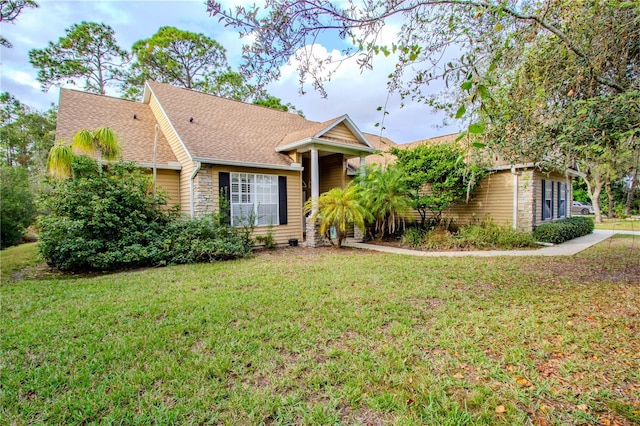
(619, 224)
(16, 259)
(300, 336)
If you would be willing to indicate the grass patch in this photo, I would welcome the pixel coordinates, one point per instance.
(619, 224)
(298, 336)
(17, 258)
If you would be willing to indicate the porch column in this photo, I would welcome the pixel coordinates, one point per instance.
(315, 180)
(313, 238)
(362, 166)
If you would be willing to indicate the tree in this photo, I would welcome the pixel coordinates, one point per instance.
(88, 53)
(339, 208)
(9, 13)
(386, 196)
(273, 102)
(101, 142)
(603, 135)
(184, 59)
(17, 207)
(531, 111)
(511, 66)
(437, 177)
(483, 34)
(25, 135)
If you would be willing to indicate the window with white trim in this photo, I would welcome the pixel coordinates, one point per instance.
(547, 204)
(254, 198)
(562, 199)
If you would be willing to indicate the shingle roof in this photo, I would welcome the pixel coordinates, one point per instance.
(227, 130)
(382, 144)
(81, 110)
(450, 138)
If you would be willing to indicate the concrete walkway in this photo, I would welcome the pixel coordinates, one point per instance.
(568, 248)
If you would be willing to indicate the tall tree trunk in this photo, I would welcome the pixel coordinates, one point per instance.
(607, 187)
(631, 193)
(595, 200)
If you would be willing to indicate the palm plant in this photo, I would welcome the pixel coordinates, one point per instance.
(101, 142)
(339, 208)
(386, 195)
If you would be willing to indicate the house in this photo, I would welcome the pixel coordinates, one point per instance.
(261, 165)
(209, 153)
(521, 195)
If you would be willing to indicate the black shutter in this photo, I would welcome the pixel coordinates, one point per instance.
(558, 197)
(282, 200)
(544, 195)
(552, 191)
(224, 179)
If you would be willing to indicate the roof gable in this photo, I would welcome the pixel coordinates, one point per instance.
(337, 131)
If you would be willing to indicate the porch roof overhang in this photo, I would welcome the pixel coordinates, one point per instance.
(308, 144)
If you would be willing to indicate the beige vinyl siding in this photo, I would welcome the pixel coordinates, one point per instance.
(169, 180)
(281, 233)
(332, 172)
(184, 193)
(493, 196)
(341, 132)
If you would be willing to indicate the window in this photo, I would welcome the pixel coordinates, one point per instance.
(547, 204)
(562, 199)
(254, 198)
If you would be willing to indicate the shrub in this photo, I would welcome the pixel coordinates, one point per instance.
(563, 230)
(109, 220)
(101, 221)
(17, 208)
(267, 240)
(439, 239)
(490, 235)
(412, 237)
(201, 240)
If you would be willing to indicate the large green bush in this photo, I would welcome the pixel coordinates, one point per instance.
(17, 208)
(202, 240)
(563, 230)
(109, 220)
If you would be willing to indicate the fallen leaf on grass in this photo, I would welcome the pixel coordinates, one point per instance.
(458, 376)
(540, 421)
(582, 407)
(524, 382)
(501, 409)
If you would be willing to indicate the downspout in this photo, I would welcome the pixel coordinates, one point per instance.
(193, 176)
(155, 158)
(515, 198)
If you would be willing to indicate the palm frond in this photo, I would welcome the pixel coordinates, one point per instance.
(83, 142)
(107, 143)
(59, 161)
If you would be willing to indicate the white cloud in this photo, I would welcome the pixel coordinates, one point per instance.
(359, 93)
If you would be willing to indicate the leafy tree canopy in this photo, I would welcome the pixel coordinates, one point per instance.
(437, 176)
(273, 102)
(184, 59)
(17, 204)
(25, 134)
(88, 53)
(9, 12)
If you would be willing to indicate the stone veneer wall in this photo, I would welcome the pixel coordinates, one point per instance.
(203, 191)
(313, 238)
(526, 200)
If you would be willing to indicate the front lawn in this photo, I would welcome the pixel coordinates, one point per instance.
(619, 224)
(301, 336)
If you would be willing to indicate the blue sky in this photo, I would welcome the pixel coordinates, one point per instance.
(351, 91)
